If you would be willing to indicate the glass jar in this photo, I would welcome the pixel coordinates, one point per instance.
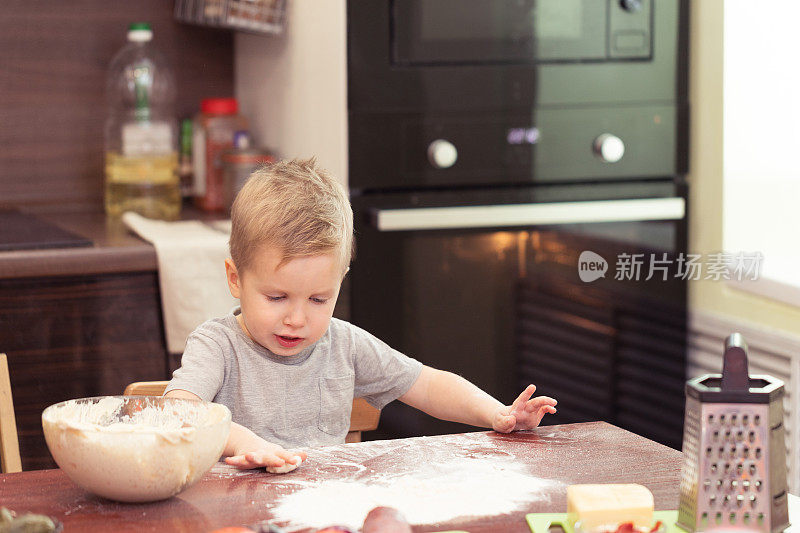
(239, 162)
(213, 133)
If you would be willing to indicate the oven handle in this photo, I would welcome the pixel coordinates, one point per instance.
(535, 214)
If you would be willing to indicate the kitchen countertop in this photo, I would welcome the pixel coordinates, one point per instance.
(538, 465)
(114, 250)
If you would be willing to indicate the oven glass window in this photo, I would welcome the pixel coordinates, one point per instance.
(501, 305)
(497, 31)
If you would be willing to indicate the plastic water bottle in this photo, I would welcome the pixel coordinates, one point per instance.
(141, 132)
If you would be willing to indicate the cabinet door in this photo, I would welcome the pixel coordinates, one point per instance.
(74, 337)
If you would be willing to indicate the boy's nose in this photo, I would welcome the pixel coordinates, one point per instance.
(295, 317)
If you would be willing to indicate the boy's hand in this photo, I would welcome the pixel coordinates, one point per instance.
(524, 413)
(264, 454)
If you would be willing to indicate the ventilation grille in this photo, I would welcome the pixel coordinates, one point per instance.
(650, 374)
(769, 352)
(566, 348)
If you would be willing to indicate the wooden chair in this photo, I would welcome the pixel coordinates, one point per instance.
(9, 443)
(364, 417)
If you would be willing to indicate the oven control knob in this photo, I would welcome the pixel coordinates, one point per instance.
(442, 154)
(609, 148)
(632, 6)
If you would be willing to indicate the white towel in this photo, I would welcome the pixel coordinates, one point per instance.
(191, 272)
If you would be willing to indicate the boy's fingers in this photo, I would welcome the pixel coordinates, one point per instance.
(270, 459)
(255, 459)
(284, 457)
(539, 402)
(522, 398)
(545, 409)
(237, 460)
(258, 459)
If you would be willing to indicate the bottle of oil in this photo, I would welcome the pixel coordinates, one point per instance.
(141, 132)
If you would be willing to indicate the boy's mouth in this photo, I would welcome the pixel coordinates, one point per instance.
(287, 341)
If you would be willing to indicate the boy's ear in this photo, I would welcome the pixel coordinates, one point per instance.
(234, 281)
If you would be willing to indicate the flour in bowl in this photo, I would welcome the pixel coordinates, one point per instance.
(109, 415)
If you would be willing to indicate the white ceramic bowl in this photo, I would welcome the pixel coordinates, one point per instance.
(136, 448)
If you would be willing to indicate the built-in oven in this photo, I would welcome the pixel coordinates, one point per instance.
(491, 143)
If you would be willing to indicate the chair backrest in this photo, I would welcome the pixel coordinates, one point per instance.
(9, 442)
(364, 417)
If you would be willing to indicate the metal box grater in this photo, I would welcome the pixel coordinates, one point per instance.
(734, 453)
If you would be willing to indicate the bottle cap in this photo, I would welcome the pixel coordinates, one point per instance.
(140, 32)
(220, 106)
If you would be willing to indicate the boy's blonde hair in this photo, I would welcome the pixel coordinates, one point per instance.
(293, 205)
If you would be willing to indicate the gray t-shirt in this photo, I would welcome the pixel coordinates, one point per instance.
(299, 400)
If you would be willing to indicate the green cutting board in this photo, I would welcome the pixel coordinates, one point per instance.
(541, 522)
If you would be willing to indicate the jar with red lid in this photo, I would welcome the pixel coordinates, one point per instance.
(213, 132)
(239, 163)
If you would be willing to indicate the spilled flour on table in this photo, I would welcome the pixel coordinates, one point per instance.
(429, 489)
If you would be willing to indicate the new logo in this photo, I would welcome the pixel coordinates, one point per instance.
(591, 266)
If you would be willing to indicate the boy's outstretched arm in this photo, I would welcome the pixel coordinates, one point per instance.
(450, 397)
(245, 449)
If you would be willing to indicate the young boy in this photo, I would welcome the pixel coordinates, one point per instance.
(287, 370)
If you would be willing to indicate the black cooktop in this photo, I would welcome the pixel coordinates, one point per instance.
(22, 231)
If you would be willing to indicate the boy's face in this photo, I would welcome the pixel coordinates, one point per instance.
(289, 308)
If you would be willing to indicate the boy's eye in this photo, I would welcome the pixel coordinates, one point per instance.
(319, 300)
(275, 298)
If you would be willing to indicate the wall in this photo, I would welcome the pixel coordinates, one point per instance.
(52, 81)
(706, 177)
(293, 86)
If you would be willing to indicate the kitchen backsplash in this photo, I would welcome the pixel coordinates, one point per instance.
(53, 80)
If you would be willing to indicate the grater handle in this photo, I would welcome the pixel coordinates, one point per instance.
(734, 366)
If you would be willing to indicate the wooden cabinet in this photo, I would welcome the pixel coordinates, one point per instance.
(73, 337)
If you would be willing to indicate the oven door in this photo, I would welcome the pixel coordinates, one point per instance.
(493, 293)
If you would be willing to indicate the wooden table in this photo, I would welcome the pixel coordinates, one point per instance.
(594, 452)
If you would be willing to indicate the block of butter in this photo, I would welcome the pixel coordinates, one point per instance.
(593, 507)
